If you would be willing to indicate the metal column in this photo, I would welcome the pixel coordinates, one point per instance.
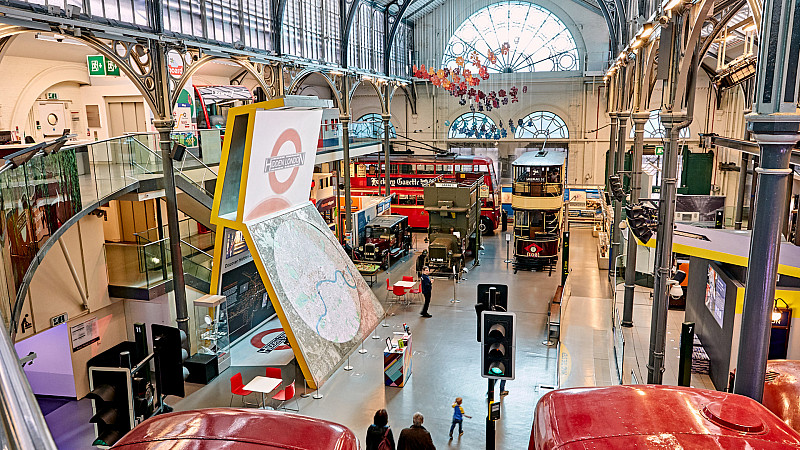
(619, 166)
(775, 125)
(385, 118)
(164, 128)
(663, 263)
(759, 293)
(639, 119)
(737, 214)
(612, 147)
(348, 200)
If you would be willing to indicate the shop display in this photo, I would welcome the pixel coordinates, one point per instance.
(397, 359)
(211, 319)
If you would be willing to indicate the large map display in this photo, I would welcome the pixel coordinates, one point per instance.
(326, 302)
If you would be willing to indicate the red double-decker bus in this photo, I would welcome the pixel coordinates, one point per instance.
(410, 174)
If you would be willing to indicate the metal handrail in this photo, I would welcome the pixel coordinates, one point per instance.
(180, 172)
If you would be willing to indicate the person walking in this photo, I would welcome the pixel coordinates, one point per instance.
(426, 285)
(379, 434)
(458, 417)
(415, 437)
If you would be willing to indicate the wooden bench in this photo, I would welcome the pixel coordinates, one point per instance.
(554, 317)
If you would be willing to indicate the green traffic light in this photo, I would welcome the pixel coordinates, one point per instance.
(496, 370)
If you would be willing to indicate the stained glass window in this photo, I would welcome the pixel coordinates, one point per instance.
(522, 36)
(654, 129)
(472, 125)
(542, 125)
(370, 126)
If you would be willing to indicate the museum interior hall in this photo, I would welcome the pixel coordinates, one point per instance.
(399, 224)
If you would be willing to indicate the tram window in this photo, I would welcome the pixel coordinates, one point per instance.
(425, 168)
(372, 169)
(395, 200)
(420, 200)
(405, 168)
(442, 169)
(408, 200)
(394, 168)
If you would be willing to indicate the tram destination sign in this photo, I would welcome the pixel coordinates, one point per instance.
(400, 182)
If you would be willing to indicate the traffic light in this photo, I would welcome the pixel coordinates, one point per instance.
(497, 345)
(491, 297)
(168, 346)
(615, 184)
(641, 220)
(112, 403)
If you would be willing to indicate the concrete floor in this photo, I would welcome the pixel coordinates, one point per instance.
(446, 361)
(446, 357)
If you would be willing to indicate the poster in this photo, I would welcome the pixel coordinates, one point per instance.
(282, 155)
(84, 334)
(715, 295)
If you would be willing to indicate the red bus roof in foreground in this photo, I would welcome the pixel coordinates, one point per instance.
(782, 391)
(426, 159)
(655, 417)
(238, 428)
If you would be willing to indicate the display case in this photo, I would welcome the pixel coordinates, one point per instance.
(211, 319)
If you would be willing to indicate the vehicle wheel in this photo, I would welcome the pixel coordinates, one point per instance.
(485, 227)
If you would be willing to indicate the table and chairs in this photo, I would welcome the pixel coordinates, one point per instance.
(402, 288)
(265, 385)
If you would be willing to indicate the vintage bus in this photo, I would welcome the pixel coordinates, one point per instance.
(238, 428)
(655, 416)
(537, 196)
(410, 174)
(323, 196)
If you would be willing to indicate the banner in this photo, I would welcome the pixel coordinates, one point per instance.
(282, 157)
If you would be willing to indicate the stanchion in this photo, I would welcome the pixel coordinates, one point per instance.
(508, 245)
(362, 350)
(317, 394)
(455, 280)
(348, 366)
(305, 393)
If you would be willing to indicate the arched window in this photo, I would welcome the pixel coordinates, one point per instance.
(654, 129)
(370, 126)
(471, 125)
(535, 40)
(542, 125)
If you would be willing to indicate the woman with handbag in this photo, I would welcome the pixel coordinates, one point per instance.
(379, 434)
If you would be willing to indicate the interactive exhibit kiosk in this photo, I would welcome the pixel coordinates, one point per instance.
(323, 303)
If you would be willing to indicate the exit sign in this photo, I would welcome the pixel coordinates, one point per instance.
(58, 320)
(659, 149)
(100, 66)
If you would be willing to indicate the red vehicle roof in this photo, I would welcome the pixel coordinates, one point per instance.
(782, 391)
(238, 428)
(427, 159)
(650, 416)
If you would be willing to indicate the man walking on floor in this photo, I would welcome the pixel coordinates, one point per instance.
(426, 284)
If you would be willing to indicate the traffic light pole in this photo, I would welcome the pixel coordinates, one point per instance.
(490, 428)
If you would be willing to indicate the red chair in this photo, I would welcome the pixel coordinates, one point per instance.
(399, 292)
(274, 372)
(408, 278)
(416, 291)
(388, 288)
(285, 396)
(237, 388)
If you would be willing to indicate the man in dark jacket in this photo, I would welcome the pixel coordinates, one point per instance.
(426, 285)
(415, 437)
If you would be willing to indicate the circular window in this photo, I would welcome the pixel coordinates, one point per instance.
(52, 119)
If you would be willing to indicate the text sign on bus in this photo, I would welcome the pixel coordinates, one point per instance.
(400, 182)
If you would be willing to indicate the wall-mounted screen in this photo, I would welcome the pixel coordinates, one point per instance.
(715, 295)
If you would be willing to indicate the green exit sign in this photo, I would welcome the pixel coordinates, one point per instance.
(100, 66)
(659, 149)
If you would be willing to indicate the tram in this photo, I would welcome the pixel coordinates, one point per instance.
(537, 199)
(655, 416)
